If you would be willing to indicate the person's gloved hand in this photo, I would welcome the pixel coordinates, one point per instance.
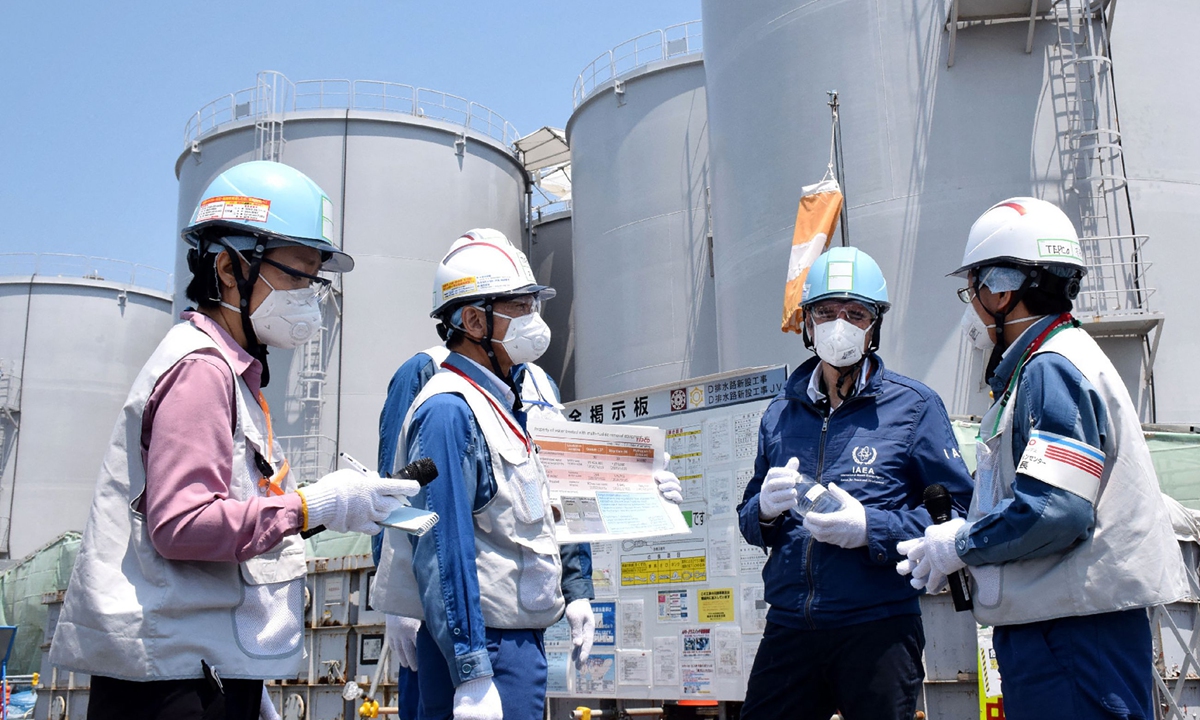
(349, 501)
(846, 527)
(940, 552)
(477, 699)
(401, 635)
(669, 486)
(266, 708)
(778, 493)
(924, 577)
(583, 626)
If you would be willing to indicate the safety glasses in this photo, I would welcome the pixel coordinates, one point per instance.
(320, 286)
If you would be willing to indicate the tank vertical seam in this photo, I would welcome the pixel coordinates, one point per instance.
(12, 492)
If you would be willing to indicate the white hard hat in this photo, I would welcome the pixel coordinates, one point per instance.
(483, 264)
(1023, 231)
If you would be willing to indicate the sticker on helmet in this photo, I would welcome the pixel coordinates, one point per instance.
(326, 219)
(1060, 249)
(840, 277)
(458, 287)
(233, 207)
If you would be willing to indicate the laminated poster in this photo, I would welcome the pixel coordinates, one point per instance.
(697, 664)
(557, 664)
(606, 569)
(633, 667)
(715, 605)
(597, 675)
(719, 441)
(601, 481)
(754, 610)
(673, 606)
(606, 625)
(721, 502)
(722, 549)
(666, 661)
(728, 643)
(633, 624)
(685, 448)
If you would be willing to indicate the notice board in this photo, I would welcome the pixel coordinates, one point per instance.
(679, 617)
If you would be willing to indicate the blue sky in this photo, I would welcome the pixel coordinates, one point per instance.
(96, 94)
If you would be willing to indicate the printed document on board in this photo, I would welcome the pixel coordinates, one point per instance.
(601, 481)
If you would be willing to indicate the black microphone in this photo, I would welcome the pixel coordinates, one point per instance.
(937, 502)
(423, 470)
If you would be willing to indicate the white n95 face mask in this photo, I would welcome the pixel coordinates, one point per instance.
(286, 319)
(976, 331)
(839, 343)
(526, 338)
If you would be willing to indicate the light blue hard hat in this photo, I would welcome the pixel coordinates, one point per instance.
(846, 272)
(262, 204)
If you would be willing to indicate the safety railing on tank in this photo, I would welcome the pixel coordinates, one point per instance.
(1116, 282)
(88, 267)
(338, 94)
(674, 41)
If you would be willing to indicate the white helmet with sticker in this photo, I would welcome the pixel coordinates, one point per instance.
(1023, 231)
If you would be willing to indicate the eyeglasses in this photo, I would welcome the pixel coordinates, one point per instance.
(854, 312)
(320, 286)
(523, 305)
(966, 294)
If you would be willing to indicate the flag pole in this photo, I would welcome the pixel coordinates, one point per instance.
(836, 159)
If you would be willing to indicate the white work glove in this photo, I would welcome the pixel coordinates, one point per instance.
(349, 501)
(940, 551)
(401, 635)
(583, 626)
(669, 486)
(266, 709)
(778, 492)
(477, 699)
(846, 527)
(923, 575)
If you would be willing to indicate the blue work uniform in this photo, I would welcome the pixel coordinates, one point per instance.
(843, 630)
(1084, 664)
(404, 387)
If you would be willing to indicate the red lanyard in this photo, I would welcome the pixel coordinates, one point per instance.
(1061, 323)
(487, 396)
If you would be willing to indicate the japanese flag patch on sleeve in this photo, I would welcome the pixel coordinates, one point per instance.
(1063, 462)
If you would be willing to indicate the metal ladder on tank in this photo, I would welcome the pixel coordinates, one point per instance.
(271, 93)
(311, 453)
(1114, 294)
(10, 425)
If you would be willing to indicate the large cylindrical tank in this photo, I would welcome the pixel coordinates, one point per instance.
(550, 254)
(1162, 162)
(927, 148)
(76, 331)
(644, 303)
(408, 171)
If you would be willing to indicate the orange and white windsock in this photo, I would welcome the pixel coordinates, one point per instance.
(816, 219)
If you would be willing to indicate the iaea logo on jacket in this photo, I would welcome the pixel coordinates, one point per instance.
(865, 455)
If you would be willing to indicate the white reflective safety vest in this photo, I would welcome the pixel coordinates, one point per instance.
(1131, 560)
(538, 397)
(517, 557)
(132, 614)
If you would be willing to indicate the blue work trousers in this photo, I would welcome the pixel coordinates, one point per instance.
(518, 660)
(867, 671)
(1077, 668)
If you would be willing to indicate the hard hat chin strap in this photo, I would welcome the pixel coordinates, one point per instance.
(488, 348)
(245, 286)
(1032, 279)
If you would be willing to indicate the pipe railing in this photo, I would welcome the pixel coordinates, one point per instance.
(671, 42)
(87, 267)
(350, 95)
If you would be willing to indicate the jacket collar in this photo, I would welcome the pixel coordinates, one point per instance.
(1012, 356)
(482, 377)
(798, 384)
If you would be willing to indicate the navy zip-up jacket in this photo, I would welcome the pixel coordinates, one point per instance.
(884, 446)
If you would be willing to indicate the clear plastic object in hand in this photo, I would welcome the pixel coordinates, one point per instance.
(814, 497)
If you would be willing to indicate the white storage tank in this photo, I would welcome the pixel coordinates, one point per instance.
(550, 255)
(408, 170)
(75, 333)
(927, 148)
(644, 303)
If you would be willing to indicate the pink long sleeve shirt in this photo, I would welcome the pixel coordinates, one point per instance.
(187, 450)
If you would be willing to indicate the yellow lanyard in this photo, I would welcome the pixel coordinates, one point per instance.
(274, 484)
